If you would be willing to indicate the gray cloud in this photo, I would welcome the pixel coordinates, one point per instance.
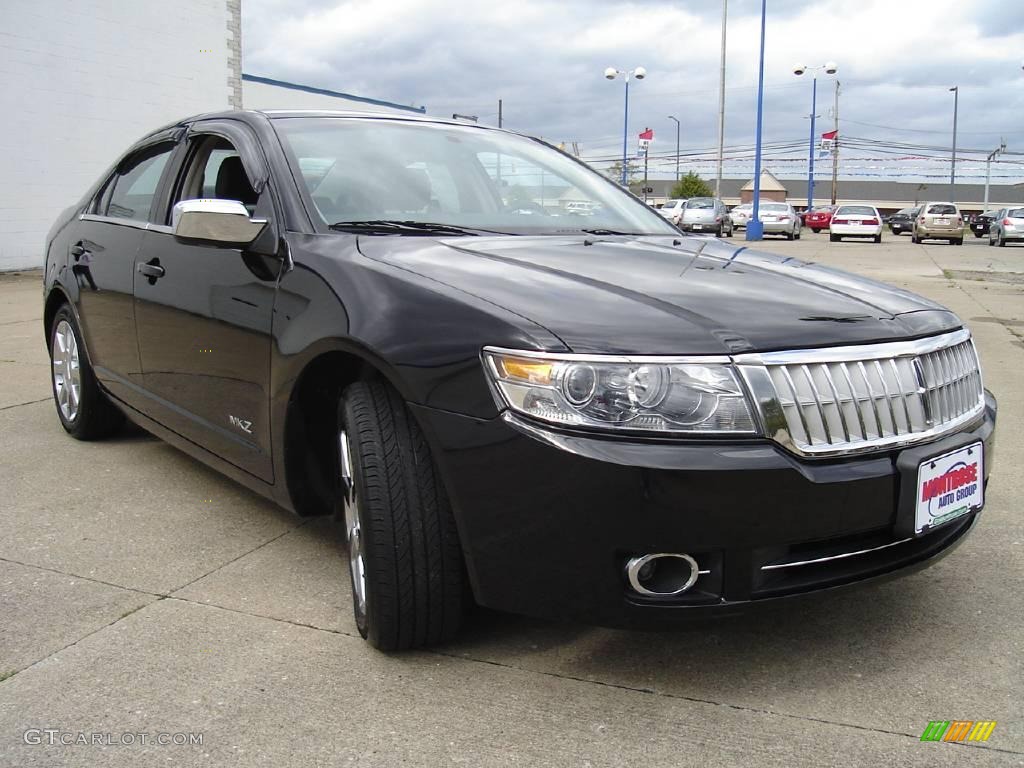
(545, 60)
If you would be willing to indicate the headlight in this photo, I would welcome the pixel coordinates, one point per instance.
(642, 394)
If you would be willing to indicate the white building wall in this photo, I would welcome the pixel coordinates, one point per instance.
(84, 80)
(257, 95)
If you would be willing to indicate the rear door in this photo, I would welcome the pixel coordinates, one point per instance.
(102, 254)
(204, 326)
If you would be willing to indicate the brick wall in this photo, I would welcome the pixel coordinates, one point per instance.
(83, 80)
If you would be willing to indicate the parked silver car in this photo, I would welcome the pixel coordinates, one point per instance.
(779, 219)
(741, 214)
(1007, 225)
(706, 214)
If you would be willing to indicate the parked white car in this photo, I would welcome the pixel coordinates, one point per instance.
(779, 219)
(673, 210)
(859, 220)
(741, 215)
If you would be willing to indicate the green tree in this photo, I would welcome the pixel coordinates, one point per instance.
(614, 171)
(691, 185)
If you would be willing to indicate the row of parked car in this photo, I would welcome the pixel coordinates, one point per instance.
(929, 221)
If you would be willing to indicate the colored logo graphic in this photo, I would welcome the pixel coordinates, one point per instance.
(958, 730)
(944, 487)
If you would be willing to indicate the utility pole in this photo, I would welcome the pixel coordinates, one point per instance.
(952, 167)
(670, 117)
(499, 113)
(721, 105)
(835, 147)
(988, 168)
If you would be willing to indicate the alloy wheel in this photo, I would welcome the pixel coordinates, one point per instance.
(67, 370)
(353, 531)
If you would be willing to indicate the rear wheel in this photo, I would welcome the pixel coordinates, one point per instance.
(878, 238)
(1000, 240)
(815, 230)
(405, 562)
(84, 411)
(958, 241)
(833, 238)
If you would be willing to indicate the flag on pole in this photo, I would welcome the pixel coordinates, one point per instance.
(647, 134)
(828, 140)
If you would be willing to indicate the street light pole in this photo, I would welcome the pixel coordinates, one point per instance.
(830, 68)
(721, 105)
(952, 168)
(670, 117)
(835, 147)
(639, 73)
(988, 168)
(755, 229)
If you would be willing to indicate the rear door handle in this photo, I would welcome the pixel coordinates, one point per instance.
(151, 270)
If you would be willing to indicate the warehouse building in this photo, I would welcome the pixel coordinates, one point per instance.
(82, 81)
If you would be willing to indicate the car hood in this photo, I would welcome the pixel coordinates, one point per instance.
(664, 295)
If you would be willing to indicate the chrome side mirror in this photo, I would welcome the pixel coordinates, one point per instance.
(215, 221)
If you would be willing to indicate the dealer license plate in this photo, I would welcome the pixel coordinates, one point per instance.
(949, 486)
(698, 226)
(942, 222)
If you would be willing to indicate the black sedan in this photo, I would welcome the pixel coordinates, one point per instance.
(903, 220)
(400, 322)
(982, 222)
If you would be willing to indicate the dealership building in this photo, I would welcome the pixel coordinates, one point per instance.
(82, 81)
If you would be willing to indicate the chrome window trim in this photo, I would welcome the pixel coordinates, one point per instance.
(134, 223)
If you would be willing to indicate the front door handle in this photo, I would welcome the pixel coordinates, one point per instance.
(152, 270)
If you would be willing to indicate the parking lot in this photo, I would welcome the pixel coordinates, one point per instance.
(142, 593)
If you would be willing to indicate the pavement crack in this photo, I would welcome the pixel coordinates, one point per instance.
(18, 405)
(698, 700)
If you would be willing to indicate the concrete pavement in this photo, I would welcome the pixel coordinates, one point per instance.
(143, 593)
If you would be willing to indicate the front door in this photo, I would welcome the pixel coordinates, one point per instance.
(204, 324)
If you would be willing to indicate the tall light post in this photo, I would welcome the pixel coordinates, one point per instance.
(721, 105)
(670, 117)
(755, 229)
(988, 167)
(830, 68)
(639, 73)
(952, 167)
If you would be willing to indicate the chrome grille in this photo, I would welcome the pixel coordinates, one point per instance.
(872, 396)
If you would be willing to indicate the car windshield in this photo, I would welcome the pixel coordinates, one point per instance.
(942, 209)
(376, 172)
(700, 202)
(856, 210)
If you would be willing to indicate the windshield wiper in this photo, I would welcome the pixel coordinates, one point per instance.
(598, 231)
(394, 227)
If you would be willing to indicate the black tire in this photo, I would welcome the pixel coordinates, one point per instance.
(729, 232)
(1001, 241)
(96, 417)
(878, 238)
(833, 238)
(789, 235)
(914, 238)
(991, 242)
(796, 235)
(958, 241)
(411, 553)
(815, 230)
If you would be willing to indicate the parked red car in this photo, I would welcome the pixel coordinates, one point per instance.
(819, 218)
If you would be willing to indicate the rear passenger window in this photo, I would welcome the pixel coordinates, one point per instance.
(134, 185)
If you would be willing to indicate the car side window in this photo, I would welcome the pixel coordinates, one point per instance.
(129, 193)
(215, 172)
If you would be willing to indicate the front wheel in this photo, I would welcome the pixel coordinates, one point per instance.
(833, 238)
(84, 411)
(405, 561)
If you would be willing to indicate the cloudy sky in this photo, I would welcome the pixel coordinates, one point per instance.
(545, 58)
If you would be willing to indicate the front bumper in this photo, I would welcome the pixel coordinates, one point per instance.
(548, 519)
